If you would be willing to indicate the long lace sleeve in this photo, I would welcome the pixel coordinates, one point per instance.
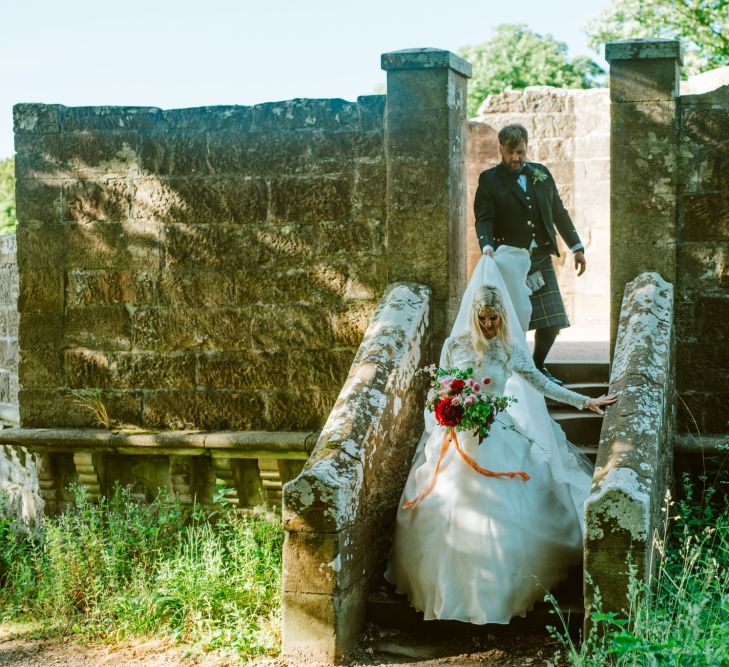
(522, 363)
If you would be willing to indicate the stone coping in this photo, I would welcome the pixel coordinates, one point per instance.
(644, 49)
(425, 58)
(230, 444)
(685, 443)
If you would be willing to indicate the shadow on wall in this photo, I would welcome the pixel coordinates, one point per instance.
(204, 268)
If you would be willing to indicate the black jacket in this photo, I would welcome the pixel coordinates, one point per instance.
(504, 216)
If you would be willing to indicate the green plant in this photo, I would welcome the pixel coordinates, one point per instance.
(92, 402)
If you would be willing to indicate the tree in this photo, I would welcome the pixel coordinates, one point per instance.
(7, 196)
(516, 57)
(702, 27)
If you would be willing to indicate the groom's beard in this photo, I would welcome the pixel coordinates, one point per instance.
(513, 167)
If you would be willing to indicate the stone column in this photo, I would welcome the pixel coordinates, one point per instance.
(425, 144)
(644, 79)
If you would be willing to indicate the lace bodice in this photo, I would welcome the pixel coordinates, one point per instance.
(459, 353)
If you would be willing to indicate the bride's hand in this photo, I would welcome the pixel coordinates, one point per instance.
(596, 404)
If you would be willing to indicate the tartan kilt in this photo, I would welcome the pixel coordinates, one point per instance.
(547, 306)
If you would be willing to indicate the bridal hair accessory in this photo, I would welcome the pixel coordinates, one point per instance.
(488, 296)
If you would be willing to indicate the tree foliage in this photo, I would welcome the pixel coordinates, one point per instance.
(702, 27)
(516, 57)
(7, 196)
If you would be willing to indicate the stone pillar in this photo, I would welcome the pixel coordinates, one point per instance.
(644, 79)
(425, 144)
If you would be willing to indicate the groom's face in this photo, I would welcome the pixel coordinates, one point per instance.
(513, 156)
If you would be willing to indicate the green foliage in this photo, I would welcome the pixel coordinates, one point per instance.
(702, 27)
(7, 196)
(516, 57)
(684, 619)
(116, 568)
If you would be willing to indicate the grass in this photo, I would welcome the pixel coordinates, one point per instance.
(116, 568)
(683, 619)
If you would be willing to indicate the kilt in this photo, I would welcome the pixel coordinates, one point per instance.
(547, 306)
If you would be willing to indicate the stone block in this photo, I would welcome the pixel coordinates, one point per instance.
(649, 167)
(294, 410)
(110, 118)
(41, 331)
(179, 329)
(222, 117)
(41, 369)
(412, 90)
(291, 326)
(340, 148)
(201, 201)
(95, 200)
(704, 168)
(349, 325)
(36, 118)
(101, 287)
(313, 369)
(85, 368)
(192, 287)
(706, 217)
(311, 199)
(111, 245)
(174, 154)
(9, 283)
(712, 318)
(40, 156)
(702, 366)
(644, 121)
(41, 291)
(38, 200)
(255, 369)
(643, 218)
(208, 410)
(704, 125)
(98, 327)
(644, 80)
(260, 154)
(133, 370)
(371, 111)
(305, 114)
(702, 268)
(216, 247)
(702, 410)
(369, 196)
(423, 136)
(9, 319)
(41, 245)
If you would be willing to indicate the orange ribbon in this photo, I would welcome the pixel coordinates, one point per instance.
(449, 435)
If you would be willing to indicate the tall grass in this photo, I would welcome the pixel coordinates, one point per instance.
(117, 568)
(683, 619)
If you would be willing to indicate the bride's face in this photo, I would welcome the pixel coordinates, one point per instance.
(489, 322)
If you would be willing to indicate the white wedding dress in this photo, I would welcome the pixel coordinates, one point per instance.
(484, 549)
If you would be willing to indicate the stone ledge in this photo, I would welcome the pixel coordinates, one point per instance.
(425, 59)
(230, 444)
(644, 49)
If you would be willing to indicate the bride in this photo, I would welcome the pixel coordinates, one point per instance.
(483, 530)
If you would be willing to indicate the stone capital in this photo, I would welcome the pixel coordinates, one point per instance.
(425, 59)
(644, 49)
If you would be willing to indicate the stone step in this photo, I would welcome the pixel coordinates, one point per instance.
(581, 428)
(578, 372)
(593, 389)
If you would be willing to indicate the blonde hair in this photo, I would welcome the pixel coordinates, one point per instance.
(488, 298)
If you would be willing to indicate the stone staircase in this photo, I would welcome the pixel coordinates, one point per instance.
(385, 608)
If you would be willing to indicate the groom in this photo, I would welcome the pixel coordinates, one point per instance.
(517, 204)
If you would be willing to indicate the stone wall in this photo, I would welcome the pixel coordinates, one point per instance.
(702, 274)
(569, 132)
(19, 492)
(207, 268)
(8, 325)
(338, 514)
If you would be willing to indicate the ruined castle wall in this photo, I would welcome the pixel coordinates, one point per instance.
(202, 268)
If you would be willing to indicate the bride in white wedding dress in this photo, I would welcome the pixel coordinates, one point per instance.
(478, 548)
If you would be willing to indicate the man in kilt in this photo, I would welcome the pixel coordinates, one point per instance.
(517, 204)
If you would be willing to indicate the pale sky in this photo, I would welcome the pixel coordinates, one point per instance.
(182, 53)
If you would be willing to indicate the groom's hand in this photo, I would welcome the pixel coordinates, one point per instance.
(487, 250)
(580, 262)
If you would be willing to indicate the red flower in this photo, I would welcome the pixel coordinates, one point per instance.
(448, 414)
(457, 386)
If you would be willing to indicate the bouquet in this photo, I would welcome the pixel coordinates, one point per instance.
(462, 403)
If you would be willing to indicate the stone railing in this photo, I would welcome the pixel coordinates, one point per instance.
(634, 459)
(248, 467)
(338, 512)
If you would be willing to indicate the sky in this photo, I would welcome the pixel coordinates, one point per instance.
(182, 53)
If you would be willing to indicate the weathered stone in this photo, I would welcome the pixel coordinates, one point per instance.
(339, 148)
(214, 247)
(101, 287)
(300, 114)
(83, 119)
(644, 80)
(311, 199)
(98, 327)
(210, 118)
(253, 369)
(703, 268)
(153, 371)
(41, 245)
(260, 154)
(36, 118)
(41, 369)
(371, 111)
(9, 319)
(96, 200)
(293, 410)
(706, 217)
(9, 283)
(702, 366)
(704, 168)
(196, 200)
(702, 411)
(172, 329)
(644, 49)
(40, 331)
(178, 154)
(86, 368)
(291, 327)
(319, 368)
(192, 287)
(648, 167)
(38, 200)
(713, 315)
(42, 408)
(370, 190)
(207, 410)
(111, 245)
(41, 291)
(643, 218)
(348, 326)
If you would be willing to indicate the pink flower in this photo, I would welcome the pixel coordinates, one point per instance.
(456, 400)
(469, 400)
(486, 380)
(477, 387)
